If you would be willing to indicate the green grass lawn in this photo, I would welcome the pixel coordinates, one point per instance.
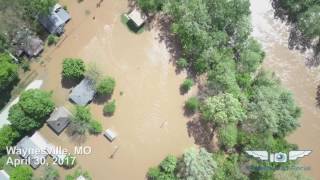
(130, 25)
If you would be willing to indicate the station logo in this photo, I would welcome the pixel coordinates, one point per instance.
(278, 157)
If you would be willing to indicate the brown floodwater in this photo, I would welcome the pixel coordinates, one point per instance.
(149, 118)
(302, 81)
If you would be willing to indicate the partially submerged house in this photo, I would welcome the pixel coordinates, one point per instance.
(83, 93)
(137, 17)
(26, 42)
(54, 22)
(34, 149)
(4, 175)
(59, 119)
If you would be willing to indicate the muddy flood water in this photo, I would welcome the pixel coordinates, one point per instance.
(302, 81)
(149, 118)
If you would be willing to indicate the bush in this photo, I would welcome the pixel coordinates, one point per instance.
(52, 39)
(228, 136)
(192, 104)
(21, 173)
(169, 164)
(69, 161)
(73, 69)
(81, 120)
(95, 127)
(186, 85)
(150, 5)
(50, 173)
(7, 137)
(153, 173)
(106, 86)
(109, 108)
(182, 63)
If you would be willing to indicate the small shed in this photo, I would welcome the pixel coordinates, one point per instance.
(83, 93)
(110, 135)
(81, 178)
(137, 17)
(4, 175)
(56, 20)
(59, 119)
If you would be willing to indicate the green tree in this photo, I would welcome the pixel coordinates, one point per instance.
(197, 165)
(81, 120)
(186, 85)
(228, 136)
(222, 110)
(169, 164)
(52, 39)
(106, 86)
(153, 173)
(73, 68)
(21, 173)
(309, 22)
(192, 104)
(36, 7)
(150, 5)
(109, 108)
(31, 111)
(7, 136)
(228, 167)
(95, 127)
(8, 72)
(182, 63)
(3, 43)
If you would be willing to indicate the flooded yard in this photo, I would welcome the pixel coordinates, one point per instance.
(290, 67)
(149, 117)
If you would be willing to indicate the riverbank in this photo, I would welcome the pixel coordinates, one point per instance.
(302, 81)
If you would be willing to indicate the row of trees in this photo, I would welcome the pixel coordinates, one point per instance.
(247, 108)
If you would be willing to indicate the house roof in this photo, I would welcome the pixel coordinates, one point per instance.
(83, 93)
(59, 119)
(30, 148)
(55, 22)
(137, 17)
(4, 175)
(33, 46)
(110, 134)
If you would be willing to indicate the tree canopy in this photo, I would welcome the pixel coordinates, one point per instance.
(21, 173)
(73, 69)
(8, 72)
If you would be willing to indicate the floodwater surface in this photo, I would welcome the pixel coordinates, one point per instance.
(149, 117)
(302, 81)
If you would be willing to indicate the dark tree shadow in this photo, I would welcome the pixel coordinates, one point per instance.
(101, 99)
(68, 83)
(202, 133)
(318, 96)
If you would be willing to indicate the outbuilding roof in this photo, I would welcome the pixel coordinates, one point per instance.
(83, 93)
(137, 17)
(59, 119)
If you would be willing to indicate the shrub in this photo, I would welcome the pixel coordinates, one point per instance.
(69, 161)
(192, 104)
(153, 173)
(106, 86)
(21, 173)
(73, 69)
(95, 127)
(110, 107)
(186, 85)
(52, 39)
(81, 120)
(50, 173)
(182, 63)
(150, 5)
(169, 164)
(7, 137)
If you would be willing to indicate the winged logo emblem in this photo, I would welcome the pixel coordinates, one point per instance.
(280, 156)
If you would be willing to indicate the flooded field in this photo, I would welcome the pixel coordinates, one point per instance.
(149, 116)
(301, 80)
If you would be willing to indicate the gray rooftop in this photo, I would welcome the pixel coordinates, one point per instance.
(4, 175)
(27, 145)
(33, 46)
(59, 119)
(54, 22)
(83, 93)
